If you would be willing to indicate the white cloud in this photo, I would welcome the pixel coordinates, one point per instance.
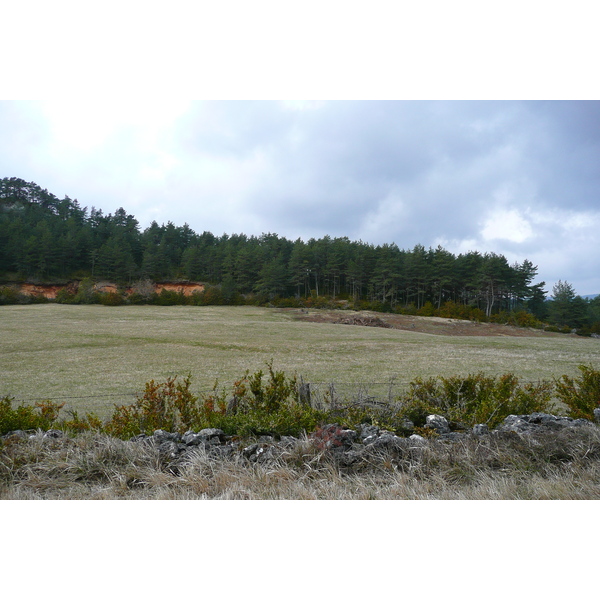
(386, 220)
(506, 224)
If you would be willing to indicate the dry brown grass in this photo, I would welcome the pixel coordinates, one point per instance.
(509, 467)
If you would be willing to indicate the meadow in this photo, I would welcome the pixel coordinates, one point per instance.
(92, 357)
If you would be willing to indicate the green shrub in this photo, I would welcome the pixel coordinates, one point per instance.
(582, 394)
(42, 415)
(63, 296)
(8, 295)
(169, 406)
(77, 425)
(257, 405)
(270, 405)
(427, 310)
(474, 399)
(171, 298)
(86, 294)
(110, 299)
(527, 319)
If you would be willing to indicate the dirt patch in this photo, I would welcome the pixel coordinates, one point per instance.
(185, 288)
(106, 288)
(48, 291)
(433, 325)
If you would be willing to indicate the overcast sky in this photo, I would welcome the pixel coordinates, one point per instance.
(520, 178)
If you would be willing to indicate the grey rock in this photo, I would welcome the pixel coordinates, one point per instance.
(388, 444)
(349, 458)
(171, 449)
(250, 450)
(480, 429)
(536, 421)
(19, 433)
(551, 421)
(513, 423)
(438, 423)
(288, 441)
(368, 431)
(211, 432)
(54, 433)
(164, 436)
(221, 452)
(192, 439)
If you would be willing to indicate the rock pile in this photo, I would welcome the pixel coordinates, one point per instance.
(364, 321)
(349, 448)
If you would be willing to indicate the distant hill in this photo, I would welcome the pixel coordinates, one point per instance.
(590, 296)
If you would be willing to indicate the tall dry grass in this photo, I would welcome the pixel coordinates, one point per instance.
(563, 465)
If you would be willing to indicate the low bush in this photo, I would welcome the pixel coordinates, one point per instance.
(169, 405)
(260, 405)
(580, 394)
(474, 399)
(257, 405)
(171, 298)
(43, 415)
(111, 299)
(270, 403)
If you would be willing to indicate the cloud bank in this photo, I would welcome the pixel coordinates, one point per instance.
(519, 178)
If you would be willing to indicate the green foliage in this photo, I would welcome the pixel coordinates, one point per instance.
(581, 394)
(111, 299)
(64, 296)
(86, 293)
(8, 295)
(76, 424)
(270, 403)
(171, 298)
(258, 405)
(47, 238)
(42, 415)
(427, 310)
(169, 405)
(474, 399)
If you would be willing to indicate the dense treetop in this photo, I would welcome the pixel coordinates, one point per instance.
(47, 239)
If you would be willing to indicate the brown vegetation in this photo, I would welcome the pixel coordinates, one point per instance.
(561, 465)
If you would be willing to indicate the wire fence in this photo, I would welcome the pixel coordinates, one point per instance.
(320, 393)
(316, 393)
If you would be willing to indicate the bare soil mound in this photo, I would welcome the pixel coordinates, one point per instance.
(432, 325)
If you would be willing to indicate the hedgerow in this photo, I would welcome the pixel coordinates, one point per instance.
(270, 403)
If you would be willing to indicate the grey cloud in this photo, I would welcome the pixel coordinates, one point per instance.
(404, 172)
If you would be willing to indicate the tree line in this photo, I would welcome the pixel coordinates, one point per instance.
(48, 239)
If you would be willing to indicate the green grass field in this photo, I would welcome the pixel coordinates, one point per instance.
(95, 356)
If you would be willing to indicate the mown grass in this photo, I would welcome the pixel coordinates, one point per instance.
(106, 354)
